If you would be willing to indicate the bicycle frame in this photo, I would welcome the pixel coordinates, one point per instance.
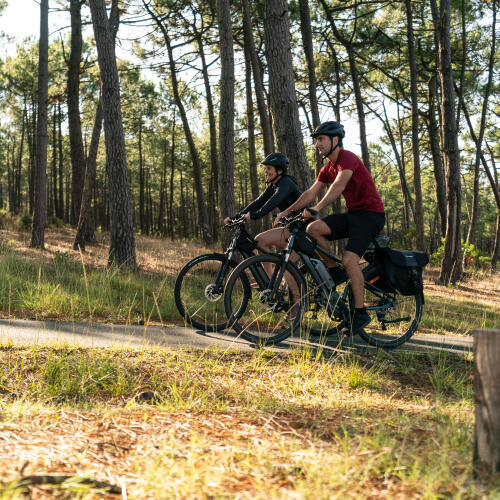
(229, 254)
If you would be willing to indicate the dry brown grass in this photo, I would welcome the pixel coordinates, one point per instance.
(154, 255)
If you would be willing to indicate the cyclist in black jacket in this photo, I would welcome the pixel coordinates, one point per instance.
(282, 190)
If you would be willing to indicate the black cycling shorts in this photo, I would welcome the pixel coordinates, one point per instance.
(360, 227)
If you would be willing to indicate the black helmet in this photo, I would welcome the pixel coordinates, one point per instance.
(277, 160)
(331, 129)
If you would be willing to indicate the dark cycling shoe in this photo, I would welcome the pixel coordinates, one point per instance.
(338, 274)
(359, 320)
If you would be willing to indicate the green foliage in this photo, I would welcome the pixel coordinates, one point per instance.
(473, 256)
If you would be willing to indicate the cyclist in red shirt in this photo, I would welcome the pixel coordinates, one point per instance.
(365, 218)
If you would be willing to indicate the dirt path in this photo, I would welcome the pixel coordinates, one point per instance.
(24, 332)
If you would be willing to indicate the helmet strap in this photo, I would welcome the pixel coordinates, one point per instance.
(333, 148)
(276, 176)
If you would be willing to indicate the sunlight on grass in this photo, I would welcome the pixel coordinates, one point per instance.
(259, 424)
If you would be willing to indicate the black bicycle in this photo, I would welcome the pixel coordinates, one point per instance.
(304, 299)
(200, 284)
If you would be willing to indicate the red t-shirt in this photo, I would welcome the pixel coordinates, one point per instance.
(360, 192)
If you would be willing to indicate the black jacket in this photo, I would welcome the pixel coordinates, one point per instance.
(282, 194)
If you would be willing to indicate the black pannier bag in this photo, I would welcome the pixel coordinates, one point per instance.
(246, 243)
(403, 270)
(305, 243)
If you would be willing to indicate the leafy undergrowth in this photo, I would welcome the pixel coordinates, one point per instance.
(60, 283)
(239, 425)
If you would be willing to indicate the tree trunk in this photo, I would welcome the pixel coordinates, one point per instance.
(265, 122)
(475, 196)
(40, 184)
(85, 226)
(496, 247)
(252, 156)
(226, 113)
(60, 213)
(283, 99)
(451, 266)
(419, 208)
(437, 159)
(213, 195)
(487, 401)
(74, 124)
(307, 42)
(141, 181)
(122, 247)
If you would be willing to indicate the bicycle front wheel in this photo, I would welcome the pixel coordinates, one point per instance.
(394, 317)
(198, 295)
(274, 309)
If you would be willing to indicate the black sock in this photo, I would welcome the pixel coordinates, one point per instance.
(360, 310)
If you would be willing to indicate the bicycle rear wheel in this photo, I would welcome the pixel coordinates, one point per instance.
(266, 318)
(197, 298)
(394, 317)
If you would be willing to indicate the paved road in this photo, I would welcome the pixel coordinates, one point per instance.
(24, 332)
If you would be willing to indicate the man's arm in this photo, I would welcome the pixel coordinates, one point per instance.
(335, 189)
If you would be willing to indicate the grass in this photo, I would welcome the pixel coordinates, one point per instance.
(249, 425)
(224, 424)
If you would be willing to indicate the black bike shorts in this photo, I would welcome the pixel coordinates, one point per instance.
(360, 227)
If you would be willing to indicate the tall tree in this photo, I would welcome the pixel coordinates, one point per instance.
(282, 93)
(226, 113)
(74, 122)
(40, 185)
(122, 247)
(482, 125)
(307, 42)
(451, 266)
(417, 184)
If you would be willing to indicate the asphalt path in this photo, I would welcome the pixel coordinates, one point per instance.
(61, 333)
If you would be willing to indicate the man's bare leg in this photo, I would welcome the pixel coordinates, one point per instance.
(319, 230)
(350, 261)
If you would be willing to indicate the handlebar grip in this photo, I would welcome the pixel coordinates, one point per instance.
(312, 211)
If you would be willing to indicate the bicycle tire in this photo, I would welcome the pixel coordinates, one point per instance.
(261, 323)
(402, 327)
(207, 321)
(318, 328)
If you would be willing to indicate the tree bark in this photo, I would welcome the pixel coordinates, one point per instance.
(437, 159)
(419, 208)
(487, 401)
(122, 247)
(471, 235)
(85, 226)
(213, 195)
(74, 123)
(283, 99)
(252, 156)
(40, 184)
(307, 42)
(265, 122)
(60, 211)
(226, 112)
(451, 266)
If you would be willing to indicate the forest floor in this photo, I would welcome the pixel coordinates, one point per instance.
(223, 424)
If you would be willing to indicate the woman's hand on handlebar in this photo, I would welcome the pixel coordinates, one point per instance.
(227, 220)
(278, 218)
